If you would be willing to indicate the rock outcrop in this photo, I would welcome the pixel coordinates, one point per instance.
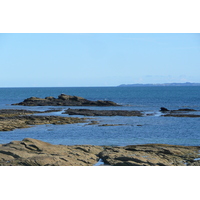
(88, 112)
(163, 109)
(32, 152)
(64, 100)
(11, 123)
(186, 112)
(151, 155)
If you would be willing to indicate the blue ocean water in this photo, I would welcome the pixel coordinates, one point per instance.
(134, 130)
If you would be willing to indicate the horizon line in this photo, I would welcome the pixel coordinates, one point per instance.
(101, 86)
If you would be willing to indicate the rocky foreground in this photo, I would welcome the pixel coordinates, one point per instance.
(64, 100)
(32, 152)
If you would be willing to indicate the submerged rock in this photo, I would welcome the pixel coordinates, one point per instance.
(186, 112)
(112, 124)
(64, 100)
(88, 112)
(180, 115)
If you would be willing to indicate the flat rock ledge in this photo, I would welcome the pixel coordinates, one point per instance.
(64, 100)
(88, 112)
(32, 152)
(186, 112)
(13, 119)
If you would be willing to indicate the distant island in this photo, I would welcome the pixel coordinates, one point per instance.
(160, 84)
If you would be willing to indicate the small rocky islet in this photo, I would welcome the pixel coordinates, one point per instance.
(11, 119)
(64, 100)
(185, 112)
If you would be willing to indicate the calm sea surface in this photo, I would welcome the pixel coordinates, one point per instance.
(151, 129)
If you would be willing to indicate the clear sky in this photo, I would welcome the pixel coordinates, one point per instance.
(104, 59)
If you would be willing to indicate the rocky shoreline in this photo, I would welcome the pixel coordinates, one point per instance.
(11, 119)
(64, 100)
(32, 152)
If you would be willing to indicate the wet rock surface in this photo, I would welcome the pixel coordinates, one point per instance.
(88, 112)
(64, 100)
(11, 119)
(32, 152)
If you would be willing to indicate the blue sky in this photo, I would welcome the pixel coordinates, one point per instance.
(104, 59)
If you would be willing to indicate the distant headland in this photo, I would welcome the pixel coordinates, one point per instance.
(160, 84)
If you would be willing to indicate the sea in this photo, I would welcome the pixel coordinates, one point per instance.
(150, 128)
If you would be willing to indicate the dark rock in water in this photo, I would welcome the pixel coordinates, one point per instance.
(163, 109)
(88, 112)
(112, 124)
(186, 112)
(185, 109)
(180, 115)
(64, 100)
